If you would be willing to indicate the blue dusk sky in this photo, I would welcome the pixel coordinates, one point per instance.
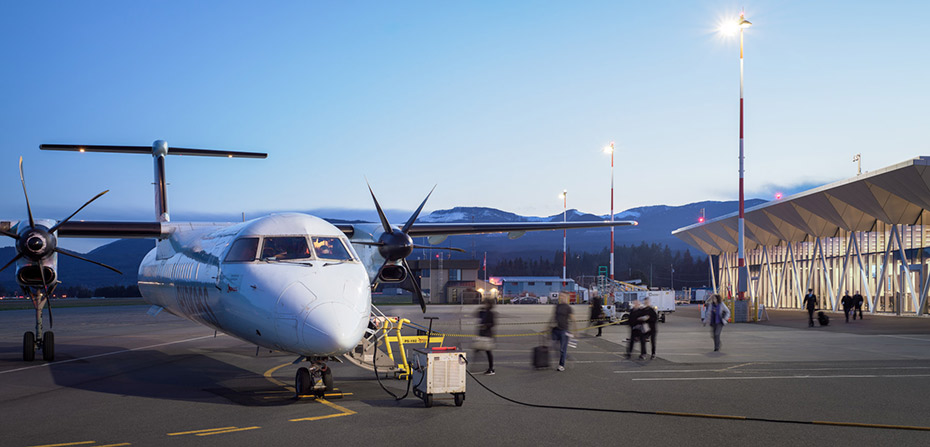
(500, 104)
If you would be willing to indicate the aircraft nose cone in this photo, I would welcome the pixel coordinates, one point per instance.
(333, 328)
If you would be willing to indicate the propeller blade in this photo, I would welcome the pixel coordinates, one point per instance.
(44, 282)
(75, 255)
(15, 258)
(384, 221)
(416, 285)
(7, 233)
(22, 178)
(373, 244)
(48, 302)
(52, 230)
(429, 247)
(417, 213)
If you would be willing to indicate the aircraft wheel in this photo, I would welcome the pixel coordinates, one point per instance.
(428, 400)
(328, 379)
(48, 346)
(459, 399)
(29, 346)
(303, 383)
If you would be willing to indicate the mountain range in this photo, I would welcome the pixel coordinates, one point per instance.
(656, 224)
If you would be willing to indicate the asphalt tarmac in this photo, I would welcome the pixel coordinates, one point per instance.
(122, 377)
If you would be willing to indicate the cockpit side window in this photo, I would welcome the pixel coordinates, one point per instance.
(285, 247)
(331, 248)
(243, 250)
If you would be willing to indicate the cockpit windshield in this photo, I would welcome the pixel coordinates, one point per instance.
(331, 248)
(285, 247)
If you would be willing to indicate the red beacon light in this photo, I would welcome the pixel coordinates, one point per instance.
(777, 196)
(701, 219)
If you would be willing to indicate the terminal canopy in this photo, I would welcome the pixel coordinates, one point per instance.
(898, 194)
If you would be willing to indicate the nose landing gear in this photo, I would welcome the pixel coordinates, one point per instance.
(47, 342)
(316, 380)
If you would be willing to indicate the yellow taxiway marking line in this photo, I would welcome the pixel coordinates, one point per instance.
(198, 431)
(227, 431)
(343, 411)
(67, 443)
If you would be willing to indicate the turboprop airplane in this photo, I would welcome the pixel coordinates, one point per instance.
(290, 282)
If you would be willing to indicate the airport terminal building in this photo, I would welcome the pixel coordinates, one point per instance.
(866, 234)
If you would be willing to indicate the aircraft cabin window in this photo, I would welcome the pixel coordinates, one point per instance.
(285, 247)
(243, 250)
(331, 248)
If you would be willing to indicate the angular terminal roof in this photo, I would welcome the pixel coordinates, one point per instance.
(897, 194)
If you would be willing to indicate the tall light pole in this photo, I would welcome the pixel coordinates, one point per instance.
(743, 277)
(610, 149)
(742, 270)
(564, 197)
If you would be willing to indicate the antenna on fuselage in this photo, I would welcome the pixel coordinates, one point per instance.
(158, 150)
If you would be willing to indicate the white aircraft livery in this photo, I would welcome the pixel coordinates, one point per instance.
(290, 282)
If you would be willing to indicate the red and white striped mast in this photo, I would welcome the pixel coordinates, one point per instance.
(564, 236)
(611, 150)
(743, 277)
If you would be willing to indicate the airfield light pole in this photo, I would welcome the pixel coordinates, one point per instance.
(742, 273)
(564, 198)
(610, 149)
(743, 277)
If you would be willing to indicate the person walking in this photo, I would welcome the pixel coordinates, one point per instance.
(847, 305)
(810, 302)
(597, 314)
(560, 331)
(637, 321)
(857, 301)
(716, 314)
(485, 340)
(653, 323)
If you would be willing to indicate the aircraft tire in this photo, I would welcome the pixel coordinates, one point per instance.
(328, 379)
(303, 382)
(48, 346)
(29, 346)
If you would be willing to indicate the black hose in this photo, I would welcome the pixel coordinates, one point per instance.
(374, 362)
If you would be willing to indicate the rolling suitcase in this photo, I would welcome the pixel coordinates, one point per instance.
(541, 357)
(823, 318)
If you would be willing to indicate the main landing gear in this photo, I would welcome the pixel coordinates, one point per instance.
(316, 380)
(47, 342)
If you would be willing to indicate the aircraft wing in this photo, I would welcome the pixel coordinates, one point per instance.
(130, 230)
(449, 229)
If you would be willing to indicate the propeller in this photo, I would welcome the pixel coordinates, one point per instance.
(395, 245)
(38, 242)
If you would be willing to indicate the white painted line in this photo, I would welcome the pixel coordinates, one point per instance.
(905, 338)
(106, 354)
(766, 369)
(864, 376)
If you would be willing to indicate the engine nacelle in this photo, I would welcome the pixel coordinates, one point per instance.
(31, 275)
(392, 273)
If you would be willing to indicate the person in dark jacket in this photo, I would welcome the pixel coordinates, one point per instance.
(810, 302)
(847, 305)
(857, 301)
(653, 323)
(597, 314)
(486, 329)
(636, 320)
(563, 323)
